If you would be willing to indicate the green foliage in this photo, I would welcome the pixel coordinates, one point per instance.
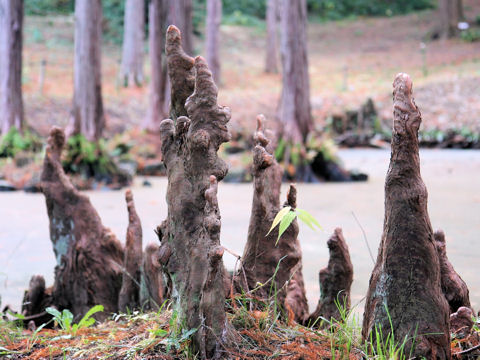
(90, 159)
(113, 12)
(13, 142)
(470, 35)
(286, 216)
(338, 9)
(64, 319)
(46, 7)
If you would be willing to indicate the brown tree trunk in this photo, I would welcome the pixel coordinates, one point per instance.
(89, 257)
(159, 91)
(262, 254)
(271, 63)
(451, 13)
(87, 113)
(335, 281)
(180, 14)
(129, 297)
(133, 36)
(191, 231)
(405, 286)
(212, 41)
(11, 28)
(294, 109)
(453, 287)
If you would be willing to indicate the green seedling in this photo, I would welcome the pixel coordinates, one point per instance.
(64, 319)
(286, 216)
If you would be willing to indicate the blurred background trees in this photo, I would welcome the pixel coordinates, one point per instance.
(11, 100)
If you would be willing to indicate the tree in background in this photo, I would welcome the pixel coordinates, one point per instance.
(214, 18)
(11, 102)
(87, 113)
(159, 88)
(133, 36)
(451, 13)
(294, 109)
(180, 14)
(271, 64)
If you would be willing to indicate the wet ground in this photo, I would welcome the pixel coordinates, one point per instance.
(452, 178)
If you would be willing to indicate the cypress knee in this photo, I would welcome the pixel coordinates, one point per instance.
(405, 287)
(130, 290)
(190, 236)
(262, 254)
(89, 256)
(453, 286)
(335, 281)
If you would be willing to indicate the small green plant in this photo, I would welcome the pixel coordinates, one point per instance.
(286, 216)
(470, 35)
(13, 142)
(64, 319)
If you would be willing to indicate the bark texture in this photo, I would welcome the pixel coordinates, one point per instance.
(451, 13)
(152, 293)
(190, 235)
(212, 41)
(271, 58)
(159, 92)
(89, 257)
(180, 14)
(294, 109)
(461, 322)
(406, 277)
(262, 254)
(453, 287)
(35, 300)
(11, 39)
(133, 36)
(335, 281)
(129, 297)
(87, 113)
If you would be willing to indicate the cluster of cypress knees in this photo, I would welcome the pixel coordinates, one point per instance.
(413, 285)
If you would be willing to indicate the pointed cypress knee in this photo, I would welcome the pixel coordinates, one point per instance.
(190, 237)
(89, 256)
(405, 286)
(453, 286)
(129, 297)
(262, 254)
(152, 292)
(335, 281)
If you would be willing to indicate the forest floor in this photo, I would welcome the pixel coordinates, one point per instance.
(253, 335)
(349, 61)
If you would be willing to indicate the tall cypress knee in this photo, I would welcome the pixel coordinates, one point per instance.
(89, 256)
(405, 286)
(191, 231)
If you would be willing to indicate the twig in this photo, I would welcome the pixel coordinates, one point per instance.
(364, 237)
(472, 349)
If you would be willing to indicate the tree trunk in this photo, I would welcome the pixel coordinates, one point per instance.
(89, 257)
(152, 293)
(133, 36)
(191, 233)
(405, 286)
(271, 63)
(129, 297)
(294, 109)
(87, 113)
(214, 18)
(335, 281)
(453, 287)
(180, 14)
(451, 13)
(159, 91)
(262, 253)
(11, 28)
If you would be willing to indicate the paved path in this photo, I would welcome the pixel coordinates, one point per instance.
(452, 178)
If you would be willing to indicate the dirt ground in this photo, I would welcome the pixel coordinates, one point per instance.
(349, 61)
